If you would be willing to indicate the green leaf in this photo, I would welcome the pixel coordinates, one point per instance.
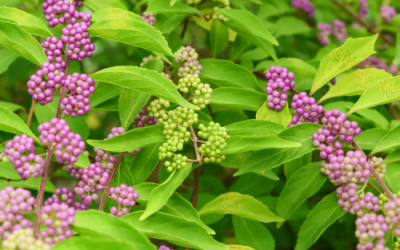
(6, 59)
(389, 141)
(164, 7)
(104, 92)
(17, 40)
(160, 195)
(393, 157)
(271, 158)
(218, 38)
(375, 117)
(238, 98)
(7, 171)
(321, 217)
(352, 52)
(130, 103)
(143, 80)
(174, 229)
(176, 205)
(114, 13)
(78, 243)
(167, 23)
(248, 25)
(292, 166)
(12, 123)
(392, 175)
(385, 91)
(83, 161)
(283, 117)
(144, 163)
(252, 184)
(26, 21)
(133, 139)
(252, 233)
(237, 247)
(97, 224)
(241, 205)
(368, 139)
(131, 31)
(99, 5)
(44, 113)
(254, 127)
(31, 183)
(154, 64)
(290, 25)
(396, 59)
(245, 143)
(11, 106)
(356, 83)
(303, 184)
(227, 74)
(297, 66)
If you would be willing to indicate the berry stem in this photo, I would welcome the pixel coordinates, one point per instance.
(184, 27)
(196, 185)
(107, 186)
(195, 142)
(362, 22)
(31, 110)
(211, 112)
(259, 73)
(373, 186)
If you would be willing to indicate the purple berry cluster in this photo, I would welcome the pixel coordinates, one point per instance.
(57, 218)
(80, 87)
(391, 210)
(68, 145)
(306, 109)
(371, 227)
(58, 11)
(191, 66)
(75, 172)
(125, 197)
(13, 204)
(280, 82)
(306, 6)
(387, 13)
(150, 18)
(61, 195)
(53, 49)
(142, 120)
(76, 36)
(21, 152)
(364, 8)
(325, 31)
(379, 63)
(347, 195)
(339, 30)
(368, 203)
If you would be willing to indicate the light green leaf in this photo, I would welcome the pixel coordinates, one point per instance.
(385, 91)
(368, 139)
(6, 59)
(283, 117)
(97, 224)
(7, 170)
(375, 117)
(303, 184)
(114, 13)
(390, 140)
(356, 83)
(17, 40)
(297, 66)
(130, 103)
(143, 80)
(164, 7)
(218, 38)
(254, 127)
(244, 143)
(290, 25)
(11, 106)
(160, 195)
(12, 123)
(240, 205)
(154, 64)
(79, 243)
(167, 23)
(31, 183)
(227, 74)
(252, 233)
(393, 157)
(181, 232)
(133, 139)
(237, 247)
(26, 21)
(321, 217)
(271, 158)
(99, 5)
(144, 163)
(238, 98)
(352, 52)
(396, 59)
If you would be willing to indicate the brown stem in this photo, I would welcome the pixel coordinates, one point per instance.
(294, 92)
(392, 112)
(184, 27)
(107, 186)
(196, 146)
(211, 112)
(373, 186)
(259, 73)
(362, 22)
(196, 186)
(31, 110)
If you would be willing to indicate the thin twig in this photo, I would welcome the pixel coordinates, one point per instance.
(196, 146)
(31, 110)
(184, 27)
(373, 186)
(211, 112)
(107, 186)
(259, 73)
(196, 186)
(392, 112)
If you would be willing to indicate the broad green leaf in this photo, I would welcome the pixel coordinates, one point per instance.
(385, 91)
(272, 203)
(241, 205)
(390, 140)
(123, 175)
(83, 161)
(6, 59)
(227, 74)
(114, 13)
(252, 184)
(271, 158)
(79, 243)
(98, 224)
(133, 139)
(290, 25)
(248, 25)
(252, 233)
(352, 52)
(164, 7)
(238, 247)
(12, 123)
(375, 117)
(174, 229)
(154, 64)
(44, 113)
(238, 98)
(132, 32)
(283, 117)
(356, 83)
(31, 183)
(368, 139)
(130, 103)
(240, 45)
(244, 143)
(392, 175)
(303, 184)
(292, 166)
(297, 66)
(176, 204)
(166, 23)
(26, 21)
(144, 163)
(218, 38)
(99, 5)
(104, 92)
(17, 40)
(109, 105)
(160, 195)
(394, 156)
(143, 80)
(321, 217)
(11, 106)
(7, 170)
(254, 127)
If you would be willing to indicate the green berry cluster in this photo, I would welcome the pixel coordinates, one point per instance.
(225, 4)
(3, 157)
(191, 2)
(146, 59)
(24, 239)
(202, 93)
(156, 109)
(380, 169)
(176, 130)
(179, 161)
(383, 198)
(396, 245)
(215, 135)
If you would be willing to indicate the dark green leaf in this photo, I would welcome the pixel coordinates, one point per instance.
(290, 25)
(130, 103)
(218, 38)
(368, 139)
(144, 163)
(390, 140)
(104, 92)
(6, 59)
(167, 23)
(252, 233)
